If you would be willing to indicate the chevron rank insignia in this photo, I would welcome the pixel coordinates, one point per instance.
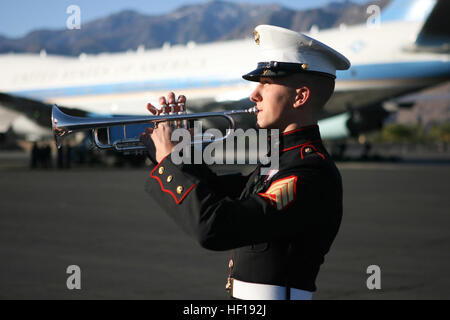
(281, 193)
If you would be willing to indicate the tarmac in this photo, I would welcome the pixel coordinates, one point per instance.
(396, 216)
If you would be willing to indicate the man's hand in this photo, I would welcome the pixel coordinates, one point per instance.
(157, 139)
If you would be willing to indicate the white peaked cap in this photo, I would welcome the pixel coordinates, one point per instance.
(283, 51)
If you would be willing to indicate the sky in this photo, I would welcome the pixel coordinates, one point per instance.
(18, 17)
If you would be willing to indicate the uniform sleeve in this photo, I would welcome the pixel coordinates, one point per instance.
(191, 196)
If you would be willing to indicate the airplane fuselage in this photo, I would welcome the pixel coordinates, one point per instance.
(384, 64)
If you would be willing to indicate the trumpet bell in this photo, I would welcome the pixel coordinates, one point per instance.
(60, 120)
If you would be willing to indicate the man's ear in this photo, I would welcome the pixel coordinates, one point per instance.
(302, 96)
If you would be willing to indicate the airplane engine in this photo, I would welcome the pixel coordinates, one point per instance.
(352, 123)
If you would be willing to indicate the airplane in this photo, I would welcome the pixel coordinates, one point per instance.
(403, 49)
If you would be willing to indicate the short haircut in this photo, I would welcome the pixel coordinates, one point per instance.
(321, 86)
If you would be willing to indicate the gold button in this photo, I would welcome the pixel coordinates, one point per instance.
(304, 66)
(179, 189)
(230, 264)
(229, 284)
(308, 150)
(169, 178)
(161, 170)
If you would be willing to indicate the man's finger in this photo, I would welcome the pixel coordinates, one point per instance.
(182, 109)
(182, 99)
(143, 137)
(163, 103)
(152, 109)
(171, 98)
(173, 108)
(162, 100)
(181, 103)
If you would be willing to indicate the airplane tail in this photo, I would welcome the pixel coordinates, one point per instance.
(408, 10)
(435, 32)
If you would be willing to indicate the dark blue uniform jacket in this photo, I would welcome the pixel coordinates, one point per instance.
(279, 226)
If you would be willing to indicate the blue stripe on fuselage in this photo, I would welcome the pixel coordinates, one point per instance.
(126, 87)
(382, 71)
(399, 70)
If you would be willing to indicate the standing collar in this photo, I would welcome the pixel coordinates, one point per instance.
(296, 138)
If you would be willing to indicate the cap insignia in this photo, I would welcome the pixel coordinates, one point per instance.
(256, 36)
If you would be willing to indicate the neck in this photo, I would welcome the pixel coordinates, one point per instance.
(298, 125)
(301, 117)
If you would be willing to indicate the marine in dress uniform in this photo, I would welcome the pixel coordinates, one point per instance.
(280, 225)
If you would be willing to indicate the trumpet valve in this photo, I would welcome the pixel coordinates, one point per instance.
(183, 123)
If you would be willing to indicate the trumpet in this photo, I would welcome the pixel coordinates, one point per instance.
(64, 124)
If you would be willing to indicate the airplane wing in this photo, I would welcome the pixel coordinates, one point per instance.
(39, 111)
(27, 117)
(409, 100)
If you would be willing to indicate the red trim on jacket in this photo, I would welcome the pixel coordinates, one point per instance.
(169, 191)
(300, 129)
(300, 145)
(311, 146)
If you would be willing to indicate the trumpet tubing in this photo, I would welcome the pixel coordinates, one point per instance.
(64, 124)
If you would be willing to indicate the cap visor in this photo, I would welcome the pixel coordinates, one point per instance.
(253, 75)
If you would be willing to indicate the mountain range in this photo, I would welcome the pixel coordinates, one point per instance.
(205, 22)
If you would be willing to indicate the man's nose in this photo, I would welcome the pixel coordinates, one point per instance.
(256, 95)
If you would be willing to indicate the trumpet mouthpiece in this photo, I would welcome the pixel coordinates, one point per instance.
(252, 110)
